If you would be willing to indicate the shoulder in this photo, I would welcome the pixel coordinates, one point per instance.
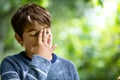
(10, 59)
(65, 62)
(10, 62)
(67, 65)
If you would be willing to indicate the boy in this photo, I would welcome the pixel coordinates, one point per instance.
(32, 27)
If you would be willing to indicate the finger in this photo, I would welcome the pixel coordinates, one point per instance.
(54, 47)
(49, 37)
(45, 37)
(50, 40)
(40, 36)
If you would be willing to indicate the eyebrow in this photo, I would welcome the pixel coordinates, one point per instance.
(30, 30)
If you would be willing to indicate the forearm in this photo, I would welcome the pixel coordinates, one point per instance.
(38, 68)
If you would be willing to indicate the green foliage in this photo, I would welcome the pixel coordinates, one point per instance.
(87, 32)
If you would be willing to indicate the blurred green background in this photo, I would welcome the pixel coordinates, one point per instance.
(87, 32)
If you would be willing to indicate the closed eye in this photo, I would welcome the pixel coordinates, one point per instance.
(34, 35)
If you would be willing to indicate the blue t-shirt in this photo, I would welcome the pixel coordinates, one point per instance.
(21, 67)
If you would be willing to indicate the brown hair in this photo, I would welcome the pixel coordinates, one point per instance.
(26, 16)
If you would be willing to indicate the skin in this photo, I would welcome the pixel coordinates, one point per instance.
(37, 41)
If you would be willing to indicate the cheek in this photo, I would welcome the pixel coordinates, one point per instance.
(29, 43)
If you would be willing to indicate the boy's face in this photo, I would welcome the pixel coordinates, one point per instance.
(30, 37)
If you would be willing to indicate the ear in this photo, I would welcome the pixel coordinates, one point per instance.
(19, 39)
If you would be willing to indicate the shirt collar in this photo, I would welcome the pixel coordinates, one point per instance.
(54, 57)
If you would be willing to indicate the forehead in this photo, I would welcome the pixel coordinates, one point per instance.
(36, 26)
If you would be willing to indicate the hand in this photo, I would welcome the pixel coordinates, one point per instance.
(44, 47)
